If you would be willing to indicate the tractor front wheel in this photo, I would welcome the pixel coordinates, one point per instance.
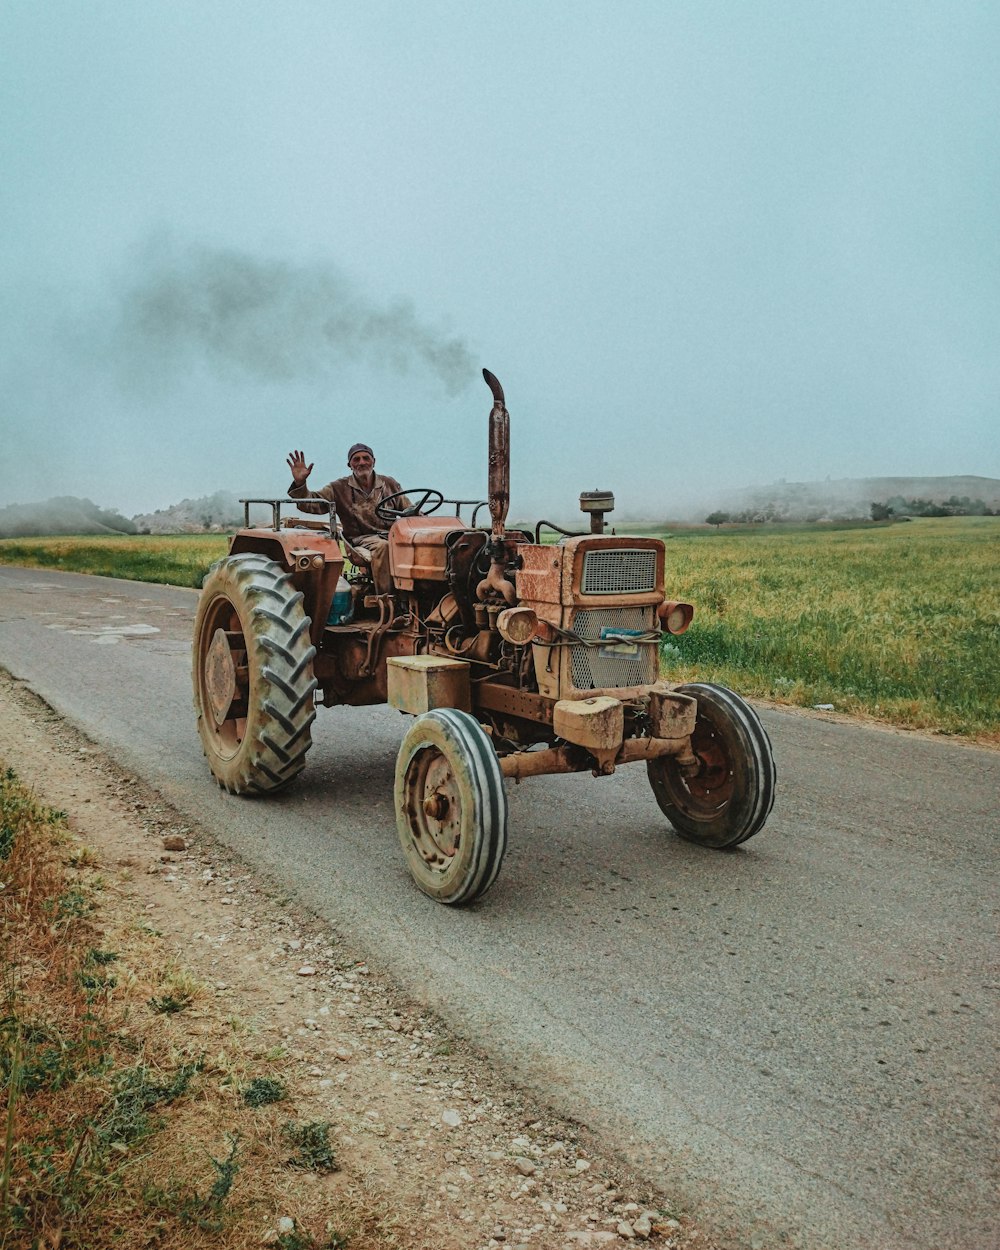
(451, 807)
(728, 798)
(253, 675)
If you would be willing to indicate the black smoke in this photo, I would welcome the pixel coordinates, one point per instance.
(269, 320)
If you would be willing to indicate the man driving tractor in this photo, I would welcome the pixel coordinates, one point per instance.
(355, 498)
(515, 658)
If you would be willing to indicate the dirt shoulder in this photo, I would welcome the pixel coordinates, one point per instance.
(434, 1148)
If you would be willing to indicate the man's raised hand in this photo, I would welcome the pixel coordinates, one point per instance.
(300, 470)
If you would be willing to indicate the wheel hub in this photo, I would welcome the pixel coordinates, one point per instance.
(713, 782)
(220, 676)
(436, 805)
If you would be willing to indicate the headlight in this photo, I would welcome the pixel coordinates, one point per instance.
(674, 617)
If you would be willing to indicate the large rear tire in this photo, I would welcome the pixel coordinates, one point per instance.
(731, 795)
(253, 675)
(451, 807)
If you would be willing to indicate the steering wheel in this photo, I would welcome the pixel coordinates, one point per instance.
(386, 512)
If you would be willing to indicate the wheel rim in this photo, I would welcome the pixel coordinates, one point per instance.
(728, 796)
(223, 629)
(433, 801)
(712, 786)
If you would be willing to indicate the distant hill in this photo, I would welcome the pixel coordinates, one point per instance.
(849, 498)
(67, 514)
(64, 514)
(211, 514)
(833, 499)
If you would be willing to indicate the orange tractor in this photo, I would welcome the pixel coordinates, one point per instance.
(514, 656)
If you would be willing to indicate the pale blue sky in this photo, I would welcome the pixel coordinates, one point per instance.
(701, 244)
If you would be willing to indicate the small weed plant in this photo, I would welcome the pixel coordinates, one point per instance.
(190, 1207)
(170, 1004)
(263, 1090)
(298, 1240)
(311, 1142)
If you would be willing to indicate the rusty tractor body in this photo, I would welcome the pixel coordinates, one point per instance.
(516, 657)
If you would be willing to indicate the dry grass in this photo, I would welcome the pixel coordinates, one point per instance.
(116, 1131)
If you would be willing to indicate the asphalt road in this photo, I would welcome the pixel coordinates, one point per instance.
(797, 1039)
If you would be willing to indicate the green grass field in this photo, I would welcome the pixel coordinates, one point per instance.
(897, 622)
(172, 559)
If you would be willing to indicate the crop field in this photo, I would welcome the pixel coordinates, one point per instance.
(172, 559)
(898, 622)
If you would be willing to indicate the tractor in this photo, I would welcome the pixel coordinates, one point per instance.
(514, 656)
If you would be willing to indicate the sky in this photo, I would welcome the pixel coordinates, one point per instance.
(704, 244)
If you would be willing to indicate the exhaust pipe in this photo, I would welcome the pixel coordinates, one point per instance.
(499, 486)
(499, 457)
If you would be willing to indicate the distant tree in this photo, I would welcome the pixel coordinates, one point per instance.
(881, 512)
(717, 518)
(965, 506)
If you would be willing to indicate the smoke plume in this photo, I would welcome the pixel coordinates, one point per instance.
(271, 320)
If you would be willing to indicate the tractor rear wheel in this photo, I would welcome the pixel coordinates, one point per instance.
(253, 675)
(451, 807)
(730, 796)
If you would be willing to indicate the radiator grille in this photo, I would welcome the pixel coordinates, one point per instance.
(599, 668)
(619, 571)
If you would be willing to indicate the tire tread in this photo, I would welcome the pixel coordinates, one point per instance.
(276, 636)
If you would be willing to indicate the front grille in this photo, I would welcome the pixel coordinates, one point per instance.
(619, 571)
(602, 668)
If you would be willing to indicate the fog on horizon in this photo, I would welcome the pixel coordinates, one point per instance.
(702, 245)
